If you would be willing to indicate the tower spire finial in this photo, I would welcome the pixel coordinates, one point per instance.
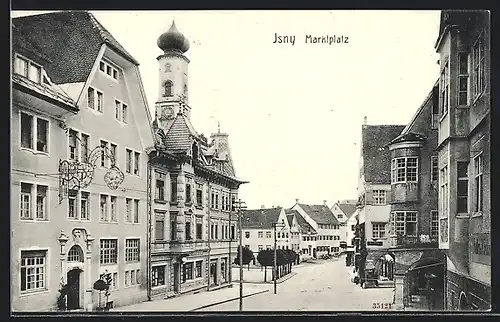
(218, 127)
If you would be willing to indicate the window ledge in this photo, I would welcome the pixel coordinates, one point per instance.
(462, 216)
(477, 214)
(29, 293)
(78, 220)
(128, 223)
(35, 152)
(162, 201)
(108, 222)
(33, 220)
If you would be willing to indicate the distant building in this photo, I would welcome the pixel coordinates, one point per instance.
(77, 97)
(418, 263)
(464, 164)
(374, 185)
(295, 233)
(324, 223)
(307, 236)
(258, 230)
(343, 210)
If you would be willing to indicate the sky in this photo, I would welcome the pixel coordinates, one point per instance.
(293, 112)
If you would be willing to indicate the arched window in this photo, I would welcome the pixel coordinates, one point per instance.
(75, 254)
(168, 88)
(168, 67)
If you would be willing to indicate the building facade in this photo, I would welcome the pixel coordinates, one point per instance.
(295, 234)
(464, 157)
(307, 236)
(418, 263)
(258, 230)
(343, 210)
(193, 187)
(89, 216)
(374, 185)
(324, 223)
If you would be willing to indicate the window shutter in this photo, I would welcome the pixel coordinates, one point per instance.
(369, 197)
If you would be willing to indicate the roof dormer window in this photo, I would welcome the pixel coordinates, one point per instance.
(109, 70)
(28, 69)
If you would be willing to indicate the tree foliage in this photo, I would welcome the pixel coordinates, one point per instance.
(283, 257)
(247, 256)
(266, 257)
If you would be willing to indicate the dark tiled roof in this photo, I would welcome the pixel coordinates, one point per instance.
(260, 218)
(347, 208)
(71, 40)
(180, 135)
(28, 48)
(289, 218)
(408, 137)
(376, 154)
(320, 214)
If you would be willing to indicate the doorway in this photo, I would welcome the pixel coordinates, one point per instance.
(73, 297)
(314, 252)
(213, 272)
(177, 275)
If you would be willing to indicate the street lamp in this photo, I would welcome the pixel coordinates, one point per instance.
(275, 266)
(239, 207)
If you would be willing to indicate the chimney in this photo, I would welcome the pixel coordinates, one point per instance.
(324, 203)
(262, 207)
(296, 200)
(365, 120)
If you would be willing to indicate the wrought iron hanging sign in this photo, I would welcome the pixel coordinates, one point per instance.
(75, 175)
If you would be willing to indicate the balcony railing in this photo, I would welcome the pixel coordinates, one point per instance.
(421, 241)
(179, 246)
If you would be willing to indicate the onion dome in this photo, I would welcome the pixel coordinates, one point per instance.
(173, 40)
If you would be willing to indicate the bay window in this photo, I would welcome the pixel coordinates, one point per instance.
(478, 67)
(443, 204)
(462, 187)
(404, 223)
(444, 88)
(404, 169)
(463, 79)
(478, 183)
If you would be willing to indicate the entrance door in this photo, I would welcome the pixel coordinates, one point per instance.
(213, 272)
(314, 252)
(73, 289)
(177, 276)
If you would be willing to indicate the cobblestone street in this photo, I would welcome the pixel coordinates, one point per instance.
(322, 286)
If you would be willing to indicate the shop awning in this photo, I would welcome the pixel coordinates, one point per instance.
(425, 266)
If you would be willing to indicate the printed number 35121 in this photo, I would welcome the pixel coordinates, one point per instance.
(382, 306)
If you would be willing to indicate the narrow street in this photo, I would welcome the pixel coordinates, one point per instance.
(324, 286)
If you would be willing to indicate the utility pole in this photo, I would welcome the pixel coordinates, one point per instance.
(275, 266)
(240, 206)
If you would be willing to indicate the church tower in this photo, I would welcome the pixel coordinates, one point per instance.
(173, 77)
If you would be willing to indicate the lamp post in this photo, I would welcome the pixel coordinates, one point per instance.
(275, 266)
(239, 207)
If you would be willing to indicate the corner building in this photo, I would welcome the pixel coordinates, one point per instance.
(464, 133)
(81, 102)
(192, 185)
